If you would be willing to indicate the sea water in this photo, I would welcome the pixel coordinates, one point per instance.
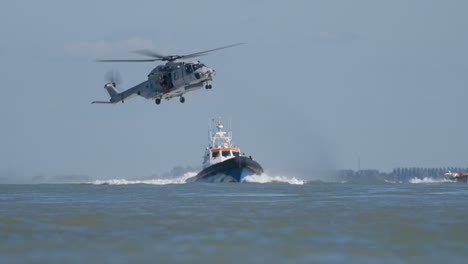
(268, 220)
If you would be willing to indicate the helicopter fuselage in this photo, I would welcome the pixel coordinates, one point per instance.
(165, 82)
(176, 78)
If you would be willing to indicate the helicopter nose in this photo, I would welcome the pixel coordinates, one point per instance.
(211, 72)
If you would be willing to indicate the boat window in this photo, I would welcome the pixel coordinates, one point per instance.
(215, 154)
(226, 153)
(236, 153)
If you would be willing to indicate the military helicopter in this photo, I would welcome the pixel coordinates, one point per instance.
(173, 79)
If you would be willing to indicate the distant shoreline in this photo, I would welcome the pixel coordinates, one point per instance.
(397, 174)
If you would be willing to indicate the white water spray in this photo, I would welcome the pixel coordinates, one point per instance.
(428, 180)
(179, 180)
(265, 178)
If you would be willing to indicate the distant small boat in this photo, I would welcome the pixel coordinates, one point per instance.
(223, 162)
(457, 176)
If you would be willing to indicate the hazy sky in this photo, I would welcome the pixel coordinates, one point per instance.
(319, 84)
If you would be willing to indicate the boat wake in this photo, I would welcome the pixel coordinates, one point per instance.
(178, 180)
(265, 178)
(428, 180)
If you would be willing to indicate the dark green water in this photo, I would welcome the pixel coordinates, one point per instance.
(234, 223)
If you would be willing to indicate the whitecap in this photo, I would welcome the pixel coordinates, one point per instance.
(265, 178)
(428, 180)
(178, 180)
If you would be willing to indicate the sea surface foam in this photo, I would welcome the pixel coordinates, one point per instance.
(428, 180)
(177, 180)
(263, 178)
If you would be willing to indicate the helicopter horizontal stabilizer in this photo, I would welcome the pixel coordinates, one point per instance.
(102, 102)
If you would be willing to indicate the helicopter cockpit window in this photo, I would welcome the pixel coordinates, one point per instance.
(188, 68)
(196, 67)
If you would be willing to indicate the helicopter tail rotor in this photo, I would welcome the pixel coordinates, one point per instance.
(113, 77)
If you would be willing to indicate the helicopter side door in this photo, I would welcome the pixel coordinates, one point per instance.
(158, 81)
(177, 77)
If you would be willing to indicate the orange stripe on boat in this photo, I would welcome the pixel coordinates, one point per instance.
(218, 149)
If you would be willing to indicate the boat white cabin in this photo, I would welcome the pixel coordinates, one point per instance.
(220, 146)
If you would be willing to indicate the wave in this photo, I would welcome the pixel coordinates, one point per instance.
(265, 178)
(428, 180)
(389, 181)
(178, 180)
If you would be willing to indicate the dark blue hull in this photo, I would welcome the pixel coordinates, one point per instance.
(231, 170)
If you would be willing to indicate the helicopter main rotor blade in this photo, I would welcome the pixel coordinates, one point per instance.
(150, 53)
(193, 56)
(201, 53)
(160, 57)
(149, 60)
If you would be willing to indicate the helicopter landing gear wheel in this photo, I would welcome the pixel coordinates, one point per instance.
(208, 86)
(157, 101)
(182, 99)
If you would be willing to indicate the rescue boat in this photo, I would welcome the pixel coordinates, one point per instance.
(223, 161)
(457, 176)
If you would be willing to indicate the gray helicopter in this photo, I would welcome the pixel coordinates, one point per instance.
(173, 79)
